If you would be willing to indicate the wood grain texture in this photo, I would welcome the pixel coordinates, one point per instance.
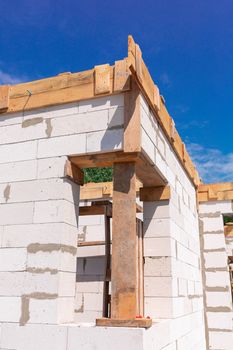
(136, 323)
(215, 192)
(124, 243)
(102, 79)
(132, 120)
(74, 173)
(4, 98)
(151, 194)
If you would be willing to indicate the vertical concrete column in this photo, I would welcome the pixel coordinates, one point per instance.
(216, 281)
(38, 249)
(159, 253)
(124, 258)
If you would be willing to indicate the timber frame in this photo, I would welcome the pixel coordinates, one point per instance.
(133, 175)
(129, 76)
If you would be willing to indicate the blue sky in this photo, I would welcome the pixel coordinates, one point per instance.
(187, 45)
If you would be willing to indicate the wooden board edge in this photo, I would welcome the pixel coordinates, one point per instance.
(151, 194)
(74, 173)
(135, 323)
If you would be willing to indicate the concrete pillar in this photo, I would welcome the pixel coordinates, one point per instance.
(216, 281)
(38, 250)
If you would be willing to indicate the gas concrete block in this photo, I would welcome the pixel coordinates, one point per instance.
(16, 213)
(107, 140)
(10, 309)
(217, 279)
(221, 340)
(13, 259)
(160, 286)
(55, 211)
(39, 190)
(18, 152)
(14, 236)
(158, 266)
(100, 338)
(33, 337)
(101, 103)
(18, 171)
(159, 246)
(215, 259)
(218, 299)
(79, 123)
(51, 167)
(62, 146)
(220, 320)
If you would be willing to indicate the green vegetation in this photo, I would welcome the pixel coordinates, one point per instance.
(98, 174)
(228, 219)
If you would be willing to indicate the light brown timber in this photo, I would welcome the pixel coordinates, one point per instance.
(151, 194)
(124, 303)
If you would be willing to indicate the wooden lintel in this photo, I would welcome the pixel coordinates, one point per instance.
(103, 159)
(136, 323)
(95, 210)
(228, 230)
(151, 194)
(215, 192)
(4, 98)
(74, 173)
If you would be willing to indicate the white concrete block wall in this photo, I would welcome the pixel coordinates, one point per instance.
(39, 208)
(216, 281)
(173, 283)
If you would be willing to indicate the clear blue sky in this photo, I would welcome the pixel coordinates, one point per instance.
(187, 45)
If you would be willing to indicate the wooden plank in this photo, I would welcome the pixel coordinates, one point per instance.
(215, 192)
(74, 173)
(136, 322)
(103, 159)
(132, 122)
(91, 243)
(147, 87)
(151, 194)
(228, 230)
(93, 210)
(121, 76)
(4, 98)
(124, 242)
(102, 79)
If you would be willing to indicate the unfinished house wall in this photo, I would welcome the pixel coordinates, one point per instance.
(90, 269)
(216, 280)
(173, 285)
(39, 206)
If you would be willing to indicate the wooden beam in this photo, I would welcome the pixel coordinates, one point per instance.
(74, 173)
(136, 322)
(4, 98)
(132, 122)
(103, 159)
(94, 210)
(157, 104)
(228, 230)
(63, 88)
(215, 192)
(152, 194)
(121, 76)
(102, 79)
(124, 303)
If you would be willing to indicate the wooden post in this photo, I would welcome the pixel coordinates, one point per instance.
(124, 243)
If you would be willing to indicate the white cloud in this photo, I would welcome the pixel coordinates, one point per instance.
(6, 78)
(165, 80)
(213, 165)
